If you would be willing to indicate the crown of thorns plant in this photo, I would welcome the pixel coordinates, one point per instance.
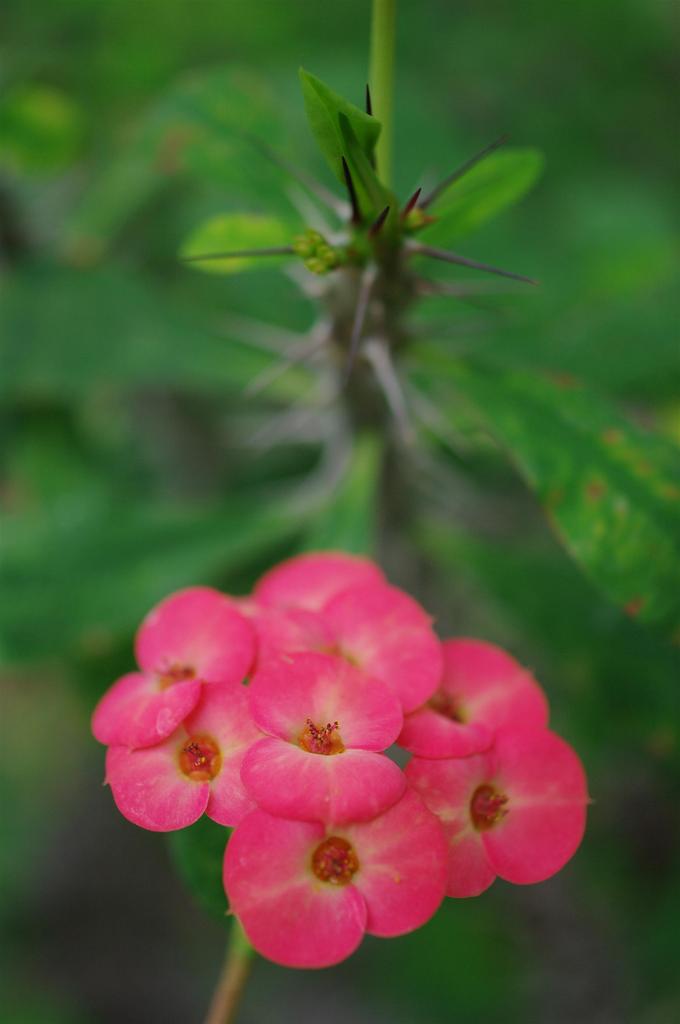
(369, 253)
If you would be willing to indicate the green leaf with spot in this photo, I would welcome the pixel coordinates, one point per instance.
(348, 519)
(495, 183)
(235, 232)
(610, 490)
(324, 107)
(198, 854)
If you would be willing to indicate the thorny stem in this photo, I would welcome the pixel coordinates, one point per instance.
(381, 78)
(232, 980)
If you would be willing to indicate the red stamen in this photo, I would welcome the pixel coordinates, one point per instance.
(487, 807)
(323, 739)
(200, 758)
(335, 861)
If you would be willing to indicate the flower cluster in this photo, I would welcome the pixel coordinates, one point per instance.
(332, 839)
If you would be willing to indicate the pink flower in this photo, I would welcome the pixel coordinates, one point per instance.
(386, 634)
(194, 636)
(482, 689)
(310, 580)
(326, 723)
(194, 771)
(306, 894)
(282, 631)
(517, 811)
(378, 628)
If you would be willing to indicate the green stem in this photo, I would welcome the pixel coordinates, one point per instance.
(232, 980)
(381, 80)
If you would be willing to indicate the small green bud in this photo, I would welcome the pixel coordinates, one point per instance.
(318, 256)
(416, 218)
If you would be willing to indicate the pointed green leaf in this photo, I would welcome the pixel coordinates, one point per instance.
(372, 195)
(499, 180)
(236, 232)
(323, 107)
(198, 854)
(611, 491)
(348, 520)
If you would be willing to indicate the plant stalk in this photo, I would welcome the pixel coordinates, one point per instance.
(232, 980)
(381, 79)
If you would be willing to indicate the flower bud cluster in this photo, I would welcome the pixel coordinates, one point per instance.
(332, 839)
(318, 255)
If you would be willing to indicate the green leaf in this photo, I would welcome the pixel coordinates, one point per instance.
(66, 332)
(372, 195)
(198, 854)
(234, 232)
(610, 490)
(348, 520)
(498, 181)
(41, 130)
(324, 107)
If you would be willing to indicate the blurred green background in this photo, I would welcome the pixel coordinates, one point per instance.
(132, 463)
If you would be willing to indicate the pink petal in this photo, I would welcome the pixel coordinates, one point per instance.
(289, 631)
(447, 787)
(389, 636)
(492, 687)
(427, 733)
(486, 689)
(292, 783)
(402, 866)
(223, 713)
(324, 689)
(546, 787)
(288, 914)
(198, 629)
(310, 580)
(150, 790)
(469, 871)
(136, 712)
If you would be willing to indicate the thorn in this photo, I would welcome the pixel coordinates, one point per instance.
(369, 105)
(462, 261)
(376, 226)
(259, 334)
(300, 353)
(311, 184)
(278, 250)
(411, 203)
(462, 170)
(386, 374)
(425, 286)
(363, 298)
(356, 212)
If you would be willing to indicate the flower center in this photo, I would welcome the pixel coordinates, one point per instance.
(445, 704)
(175, 674)
(335, 861)
(321, 739)
(487, 807)
(200, 758)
